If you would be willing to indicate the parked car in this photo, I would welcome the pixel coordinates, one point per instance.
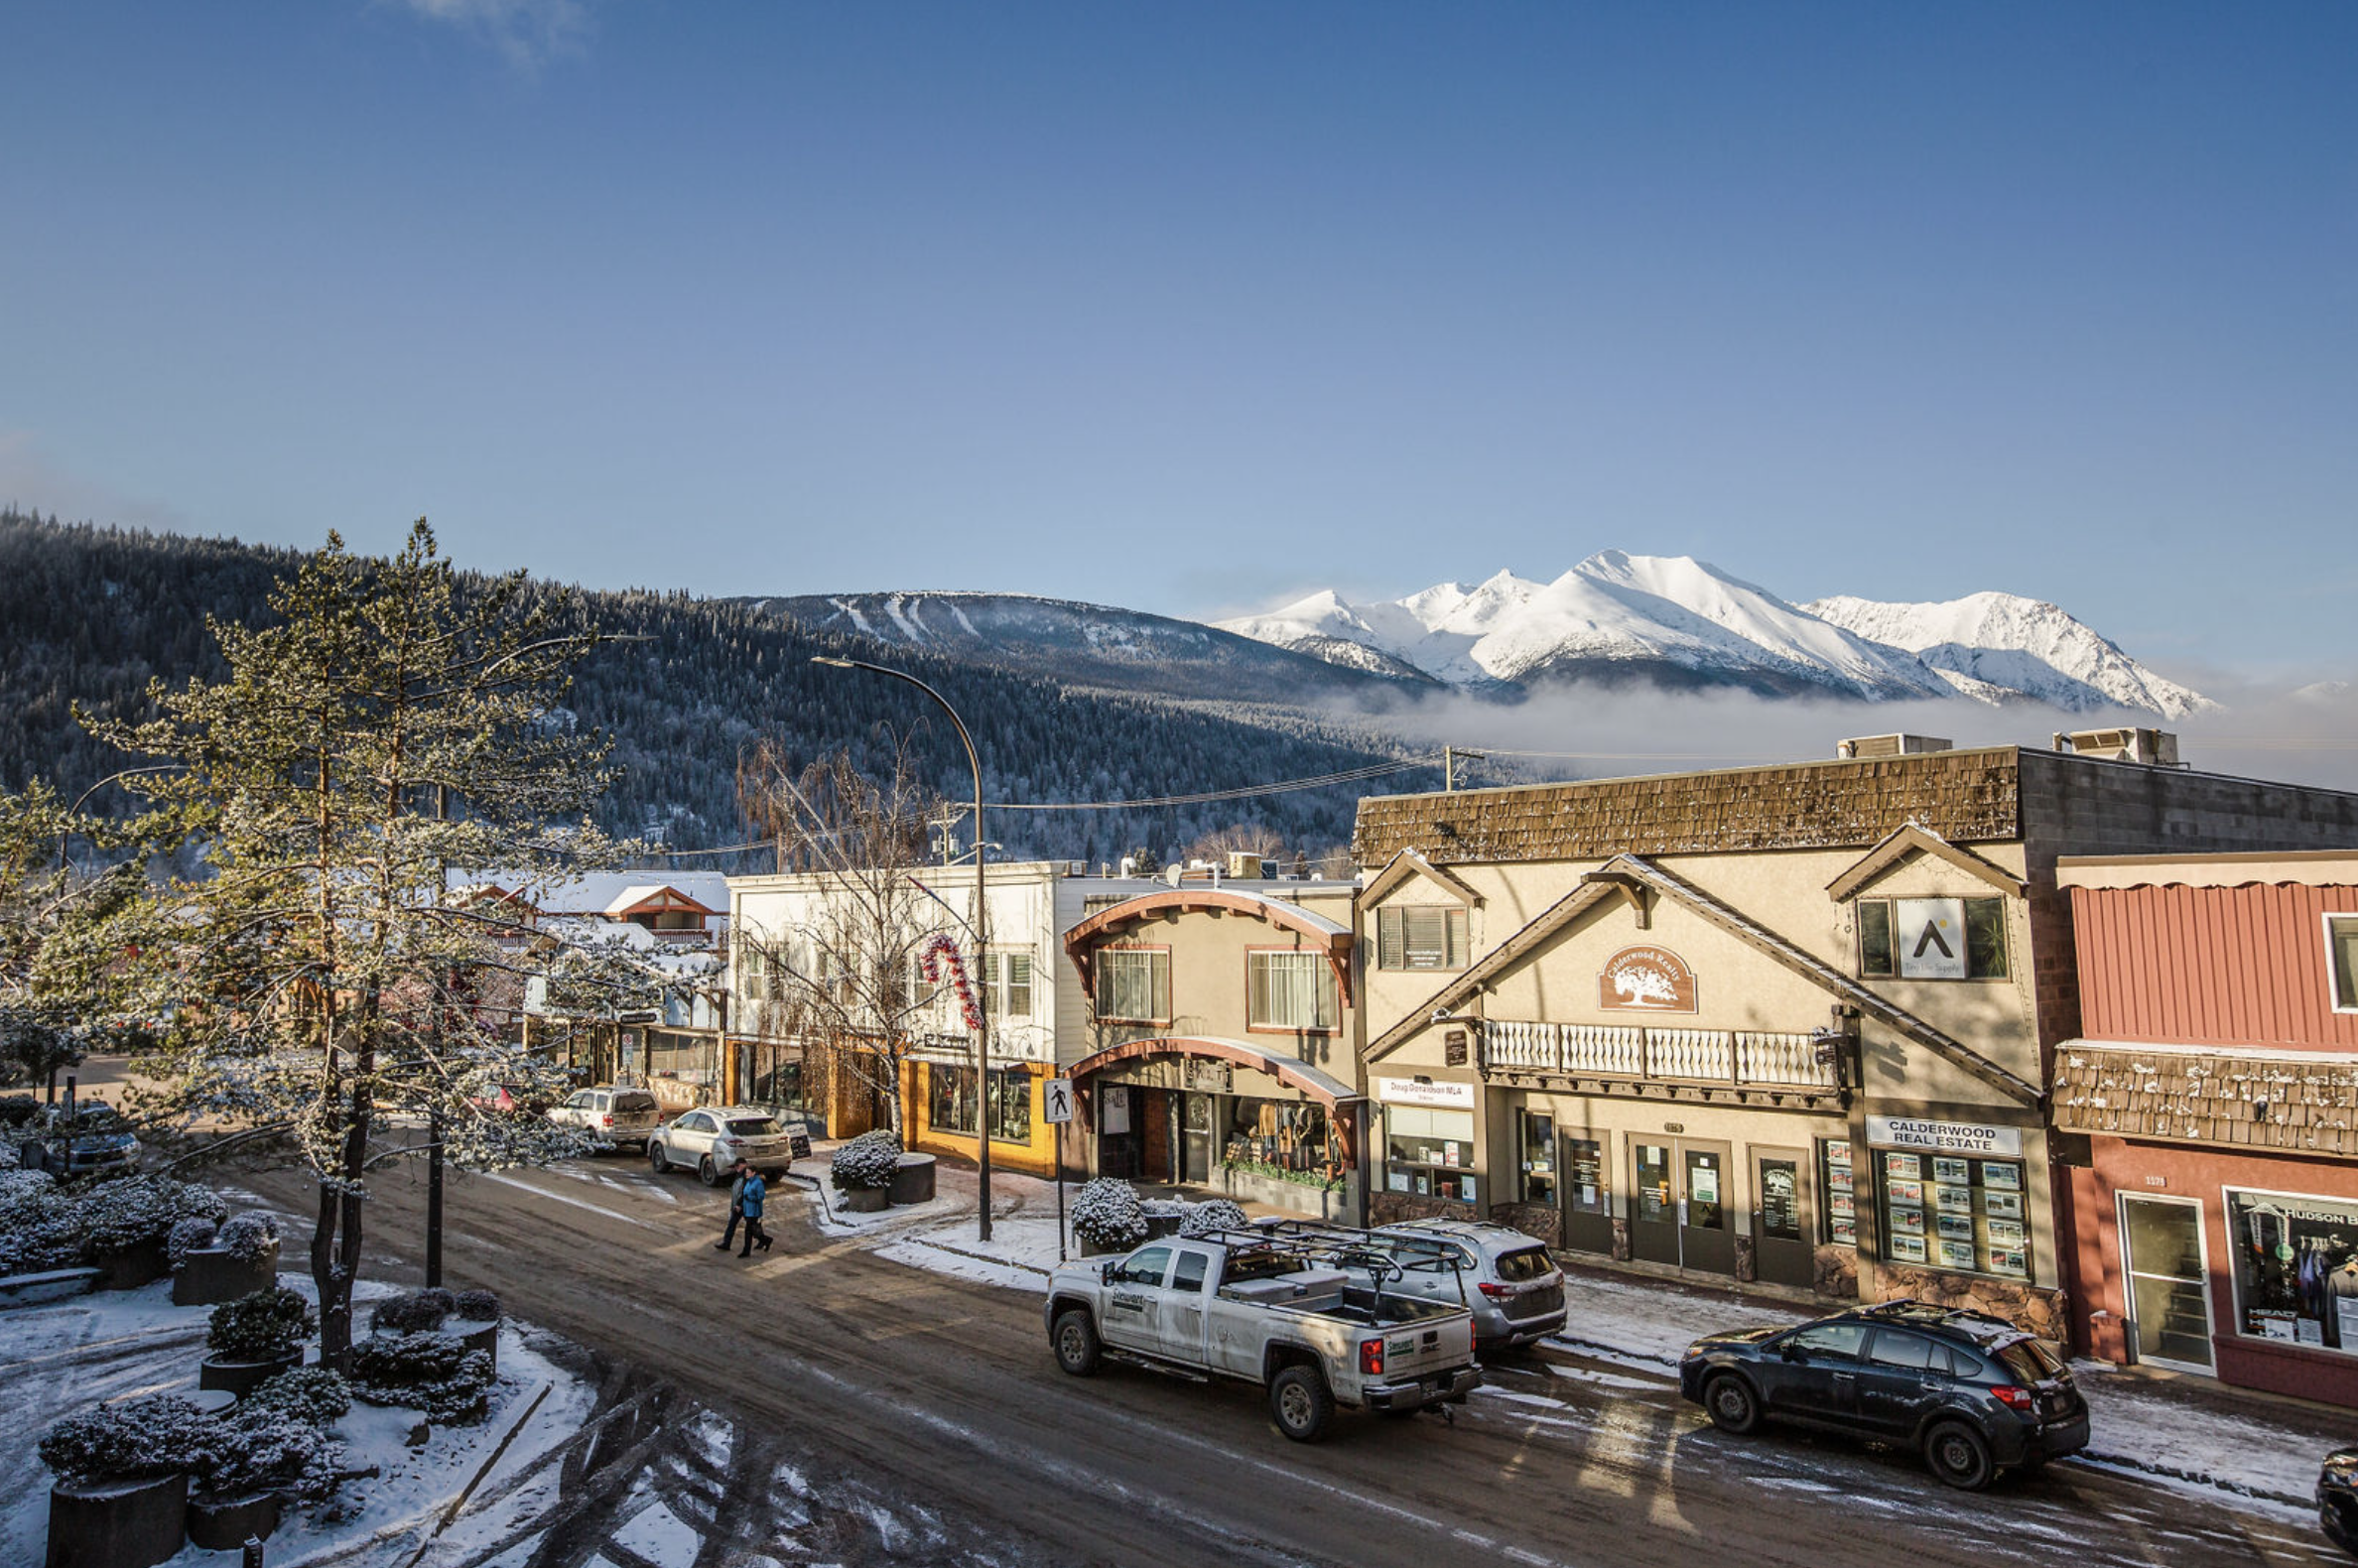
(624, 1116)
(517, 1100)
(1515, 1287)
(710, 1140)
(96, 1142)
(2337, 1498)
(1971, 1393)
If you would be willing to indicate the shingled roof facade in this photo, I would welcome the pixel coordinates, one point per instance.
(1962, 796)
(2290, 1104)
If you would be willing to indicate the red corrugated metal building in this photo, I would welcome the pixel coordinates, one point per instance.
(2216, 1079)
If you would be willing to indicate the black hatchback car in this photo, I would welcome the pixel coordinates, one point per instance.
(1971, 1393)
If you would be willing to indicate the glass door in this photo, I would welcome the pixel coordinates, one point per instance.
(1538, 1158)
(1705, 1238)
(2168, 1282)
(1654, 1204)
(1588, 1196)
(1783, 1251)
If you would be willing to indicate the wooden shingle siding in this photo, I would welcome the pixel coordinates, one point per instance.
(2192, 1096)
(2210, 966)
(1962, 796)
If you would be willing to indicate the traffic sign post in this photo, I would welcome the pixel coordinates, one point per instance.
(1056, 1108)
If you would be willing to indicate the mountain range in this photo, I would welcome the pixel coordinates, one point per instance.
(1618, 620)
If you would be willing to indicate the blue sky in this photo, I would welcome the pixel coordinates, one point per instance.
(1189, 307)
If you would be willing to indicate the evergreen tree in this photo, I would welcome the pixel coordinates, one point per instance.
(385, 728)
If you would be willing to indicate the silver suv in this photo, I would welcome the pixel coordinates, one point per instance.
(621, 1116)
(1512, 1284)
(713, 1140)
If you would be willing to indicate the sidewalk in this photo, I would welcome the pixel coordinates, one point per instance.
(2187, 1432)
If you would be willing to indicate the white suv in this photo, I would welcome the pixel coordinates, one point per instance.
(713, 1140)
(622, 1115)
(1517, 1290)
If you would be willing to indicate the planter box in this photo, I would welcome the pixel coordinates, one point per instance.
(224, 1524)
(129, 1267)
(913, 1182)
(242, 1377)
(866, 1200)
(1159, 1226)
(56, 1284)
(117, 1523)
(209, 1276)
(483, 1337)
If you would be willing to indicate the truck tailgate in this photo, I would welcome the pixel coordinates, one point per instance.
(1411, 1350)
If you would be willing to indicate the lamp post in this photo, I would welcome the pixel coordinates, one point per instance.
(981, 932)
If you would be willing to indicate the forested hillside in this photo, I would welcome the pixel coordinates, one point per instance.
(91, 614)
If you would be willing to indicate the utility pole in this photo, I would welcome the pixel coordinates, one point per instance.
(434, 1115)
(1449, 757)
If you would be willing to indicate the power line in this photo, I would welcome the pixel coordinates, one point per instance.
(1205, 797)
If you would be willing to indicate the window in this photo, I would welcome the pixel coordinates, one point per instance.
(1885, 922)
(1007, 985)
(1143, 1268)
(1538, 1157)
(1413, 937)
(1189, 1275)
(1908, 1352)
(2296, 1268)
(2341, 953)
(1954, 1213)
(1839, 1222)
(1829, 1341)
(1291, 990)
(1133, 984)
(949, 1101)
(1430, 1152)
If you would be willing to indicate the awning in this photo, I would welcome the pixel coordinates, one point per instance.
(1291, 1071)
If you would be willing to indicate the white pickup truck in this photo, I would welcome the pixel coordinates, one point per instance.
(1281, 1311)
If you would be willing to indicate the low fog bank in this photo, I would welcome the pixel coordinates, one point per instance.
(2309, 736)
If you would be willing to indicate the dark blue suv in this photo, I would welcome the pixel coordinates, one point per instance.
(1971, 1393)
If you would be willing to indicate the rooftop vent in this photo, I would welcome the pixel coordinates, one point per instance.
(1244, 866)
(1899, 746)
(2156, 748)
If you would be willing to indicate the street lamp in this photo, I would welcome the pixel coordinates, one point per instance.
(982, 930)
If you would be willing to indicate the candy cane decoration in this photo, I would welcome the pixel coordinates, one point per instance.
(941, 952)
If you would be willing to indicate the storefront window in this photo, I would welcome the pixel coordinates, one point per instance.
(1430, 1152)
(2295, 1268)
(1281, 1135)
(1538, 1157)
(1839, 1223)
(1954, 1212)
(951, 1101)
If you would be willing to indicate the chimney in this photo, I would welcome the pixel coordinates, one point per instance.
(1893, 745)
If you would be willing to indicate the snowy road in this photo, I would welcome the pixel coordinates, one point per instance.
(928, 1410)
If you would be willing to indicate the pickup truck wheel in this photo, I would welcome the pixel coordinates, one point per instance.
(1301, 1403)
(1959, 1455)
(1076, 1341)
(1728, 1399)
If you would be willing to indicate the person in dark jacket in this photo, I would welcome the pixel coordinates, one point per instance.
(750, 1197)
(737, 1205)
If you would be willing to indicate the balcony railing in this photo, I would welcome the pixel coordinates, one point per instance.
(1696, 1056)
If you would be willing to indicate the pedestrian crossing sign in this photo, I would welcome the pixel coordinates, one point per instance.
(1056, 1099)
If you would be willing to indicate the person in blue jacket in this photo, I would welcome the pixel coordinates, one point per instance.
(750, 1197)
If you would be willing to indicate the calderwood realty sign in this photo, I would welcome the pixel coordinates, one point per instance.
(1948, 1138)
(1646, 978)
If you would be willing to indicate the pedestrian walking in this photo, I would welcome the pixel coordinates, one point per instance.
(737, 1205)
(751, 1199)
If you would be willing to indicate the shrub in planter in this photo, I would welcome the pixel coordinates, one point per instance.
(122, 1493)
(235, 1260)
(259, 1448)
(419, 1312)
(1107, 1217)
(261, 1327)
(248, 1238)
(867, 1163)
(476, 1306)
(432, 1373)
(191, 1234)
(318, 1394)
(136, 1211)
(40, 1226)
(1216, 1214)
(18, 1110)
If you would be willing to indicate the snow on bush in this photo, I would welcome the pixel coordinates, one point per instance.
(138, 1210)
(432, 1373)
(1107, 1216)
(264, 1448)
(867, 1162)
(191, 1234)
(261, 1327)
(318, 1394)
(1164, 1208)
(19, 1110)
(477, 1306)
(160, 1435)
(248, 1238)
(40, 1226)
(1215, 1214)
(419, 1312)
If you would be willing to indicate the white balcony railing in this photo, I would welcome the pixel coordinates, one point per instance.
(1707, 1056)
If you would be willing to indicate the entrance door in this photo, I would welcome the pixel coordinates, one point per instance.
(1197, 1136)
(1588, 1197)
(1679, 1205)
(2168, 1282)
(1155, 1109)
(1782, 1252)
